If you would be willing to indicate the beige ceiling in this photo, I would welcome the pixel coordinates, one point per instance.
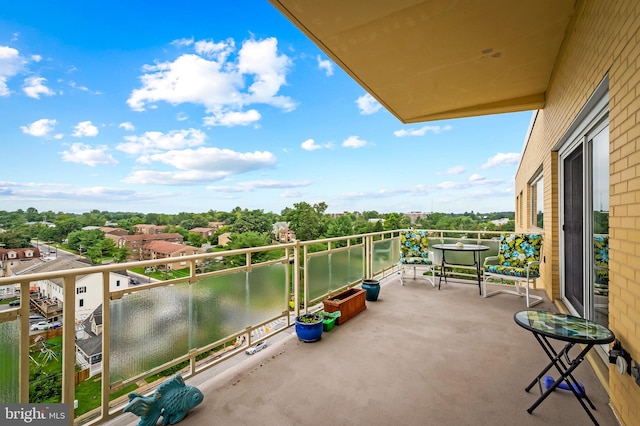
(438, 59)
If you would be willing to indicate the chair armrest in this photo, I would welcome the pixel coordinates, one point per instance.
(530, 264)
(490, 260)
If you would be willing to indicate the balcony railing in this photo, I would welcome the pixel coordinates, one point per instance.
(197, 320)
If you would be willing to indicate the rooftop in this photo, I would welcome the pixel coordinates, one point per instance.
(416, 356)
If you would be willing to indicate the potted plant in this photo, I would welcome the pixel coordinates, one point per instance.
(329, 319)
(349, 303)
(309, 327)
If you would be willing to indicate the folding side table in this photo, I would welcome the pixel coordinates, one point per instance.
(573, 330)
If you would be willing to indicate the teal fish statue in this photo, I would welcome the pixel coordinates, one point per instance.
(172, 400)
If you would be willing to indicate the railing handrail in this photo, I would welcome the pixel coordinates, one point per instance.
(297, 251)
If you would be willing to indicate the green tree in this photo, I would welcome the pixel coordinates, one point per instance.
(252, 220)
(247, 240)
(12, 239)
(195, 239)
(307, 221)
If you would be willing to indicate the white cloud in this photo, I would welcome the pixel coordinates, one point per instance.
(40, 127)
(219, 51)
(260, 184)
(182, 42)
(421, 131)
(212, 159)
(34, 87)
(190, 177)
(85, 128)
(11, 63)
(152, 142)
(36, 58)
(367, 104)
(232, 118)
(501, 159)
(354, 142)
(182, 116)
(200, 166)
(127, 125)
(311, 145)
(219, 82)
(325, 65)
(455, 170)
(84, 154)
(473, 180)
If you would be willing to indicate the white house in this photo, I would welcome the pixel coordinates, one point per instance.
(88, 287)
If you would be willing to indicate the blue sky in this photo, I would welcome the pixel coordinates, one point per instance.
(172, 107)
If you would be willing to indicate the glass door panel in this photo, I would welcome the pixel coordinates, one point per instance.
(600, 226)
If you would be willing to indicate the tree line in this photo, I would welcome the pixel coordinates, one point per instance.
(248, 228)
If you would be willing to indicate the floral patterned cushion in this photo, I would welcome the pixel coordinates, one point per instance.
(515, 253)
(601, 264)
(414, 247)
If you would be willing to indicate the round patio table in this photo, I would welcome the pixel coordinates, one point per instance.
(473, 248)
(567, 328)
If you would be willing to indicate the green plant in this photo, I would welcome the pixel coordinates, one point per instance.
(309, 318)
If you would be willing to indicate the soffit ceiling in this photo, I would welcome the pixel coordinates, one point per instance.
(438, 59)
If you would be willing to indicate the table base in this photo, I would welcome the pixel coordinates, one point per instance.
(565, 368)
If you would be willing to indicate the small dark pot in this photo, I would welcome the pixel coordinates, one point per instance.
(373, 289)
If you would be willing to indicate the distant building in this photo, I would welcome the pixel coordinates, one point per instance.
(89, 342)
(216, 225)
(147, 229)
(169, 250)
(15, 259)
(500, 222)
(205, 232)
(134, 243)
(414, 216)
(223, 239)
(88, 288)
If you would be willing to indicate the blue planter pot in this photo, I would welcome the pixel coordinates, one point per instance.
(309, 331)
(373, 289)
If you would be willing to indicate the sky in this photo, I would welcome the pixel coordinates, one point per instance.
(165, 107)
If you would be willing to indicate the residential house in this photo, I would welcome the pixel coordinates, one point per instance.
(15, 259)
(169, 250)
(88, 287)
(89, 342)
(224, 238)
(282, 233)
(147, 229)
(205, 232)
(134, 243)
(216, 225)
(113, 231)
(576, 64)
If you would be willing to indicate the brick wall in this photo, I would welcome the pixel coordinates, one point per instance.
(602, 39)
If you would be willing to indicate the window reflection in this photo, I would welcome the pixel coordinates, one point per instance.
(600, 220)
(537, 202)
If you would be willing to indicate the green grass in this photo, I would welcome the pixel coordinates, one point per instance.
(161, 275)
(88, 394)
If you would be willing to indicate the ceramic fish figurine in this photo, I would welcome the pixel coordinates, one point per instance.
(172, 400)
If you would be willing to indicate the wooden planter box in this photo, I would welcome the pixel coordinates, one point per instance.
(349, 303)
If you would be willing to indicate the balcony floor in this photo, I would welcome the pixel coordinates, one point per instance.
(417, 356)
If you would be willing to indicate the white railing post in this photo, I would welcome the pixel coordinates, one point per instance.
(106, 348)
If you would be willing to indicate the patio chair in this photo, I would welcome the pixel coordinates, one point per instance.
(415, 254)
(518, 260)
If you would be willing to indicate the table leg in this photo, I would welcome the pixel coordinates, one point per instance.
(476, 260)
(565, 374)
(442, 271)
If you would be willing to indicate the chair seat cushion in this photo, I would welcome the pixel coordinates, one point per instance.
(415, 261)
(512, 271)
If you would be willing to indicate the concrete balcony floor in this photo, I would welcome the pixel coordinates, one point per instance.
(416, 356)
